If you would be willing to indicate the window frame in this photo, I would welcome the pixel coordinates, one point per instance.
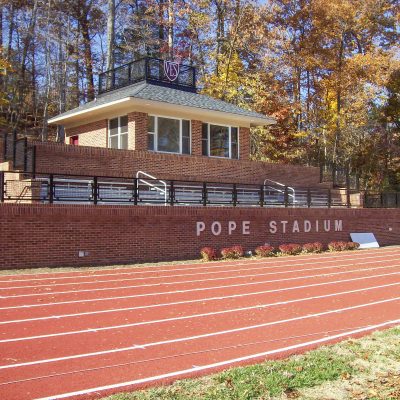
(119, 134)
(230, 140)
(155, 133)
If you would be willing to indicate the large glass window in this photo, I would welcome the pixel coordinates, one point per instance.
(168, 135)
(220, 141)
(118, 133)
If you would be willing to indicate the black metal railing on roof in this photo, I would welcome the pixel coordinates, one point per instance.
(152, 70)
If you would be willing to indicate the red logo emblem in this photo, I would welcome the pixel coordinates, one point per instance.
(171, 70)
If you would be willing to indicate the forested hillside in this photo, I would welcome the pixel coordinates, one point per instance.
(328, 71)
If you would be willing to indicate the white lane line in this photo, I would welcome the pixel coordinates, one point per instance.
(83, 301)
(183, 282)
(271, 263)
(174, 374)
(202, 300)
(174, 319)
(202, 336)
(255, 268)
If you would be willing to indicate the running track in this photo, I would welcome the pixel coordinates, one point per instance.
(91, 333)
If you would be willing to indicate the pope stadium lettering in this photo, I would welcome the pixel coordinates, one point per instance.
(273, 227)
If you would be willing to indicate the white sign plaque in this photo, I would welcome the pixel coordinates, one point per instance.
(366, 240)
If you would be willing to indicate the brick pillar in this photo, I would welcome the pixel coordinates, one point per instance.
(196, 138)
(244, 143)
(137, 131)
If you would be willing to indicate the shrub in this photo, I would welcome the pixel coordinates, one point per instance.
(315, 247)
(208, 254)
(290, 249)
(352, 245)
(232, 252)
(337, 246)
(265, 251)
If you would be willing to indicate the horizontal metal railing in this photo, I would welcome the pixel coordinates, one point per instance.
(19, 186)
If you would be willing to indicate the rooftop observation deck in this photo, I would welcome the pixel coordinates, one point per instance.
(150, 70)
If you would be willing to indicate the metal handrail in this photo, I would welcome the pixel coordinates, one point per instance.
(153, 186)
(281, 191)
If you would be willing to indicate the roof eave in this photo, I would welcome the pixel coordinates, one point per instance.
(146, 105)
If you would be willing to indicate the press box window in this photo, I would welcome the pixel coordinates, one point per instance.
(168, 135)
(220, 141)
(118, 133)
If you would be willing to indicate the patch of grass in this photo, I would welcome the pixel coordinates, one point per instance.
(270, 378)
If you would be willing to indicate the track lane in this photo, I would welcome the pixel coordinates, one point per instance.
(252, 331)
(109, 373)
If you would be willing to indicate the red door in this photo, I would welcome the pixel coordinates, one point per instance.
(74, 140)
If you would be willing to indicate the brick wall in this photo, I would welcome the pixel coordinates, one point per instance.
(137, 131)
(119, 234)
(92, 134)
(58, 158)
(244, 143)
(196, 130)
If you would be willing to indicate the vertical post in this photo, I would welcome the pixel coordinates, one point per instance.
(34, 162)
(130, 72)
(329, 198)
(397, 199)
(51, 188)
(171, 193)
(334, 174)
(2, 186)
(135, 191)
(5, 146)
(308, 197)
(262, 199)
(204, 194)
(286, 197)
(348, 202)
(14, 148)
(321, 172)
(234, 195)
(146, 68)
(25, 154)
(95, 190)
(382, 200)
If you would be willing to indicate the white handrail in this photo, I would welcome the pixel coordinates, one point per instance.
(163, 191)
(281, 184)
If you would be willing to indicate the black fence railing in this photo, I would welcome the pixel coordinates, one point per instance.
(382, 199)
(68, 189)
(151, 70)
(339, 176)
(20, 152)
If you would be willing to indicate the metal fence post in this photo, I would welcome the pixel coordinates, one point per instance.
(171, 193)
(14, 148)
(95, 190)
(34, 162)
(234, 195)
(2, 186)
(135, 191)
(5, 146)
(308, 197)
(25, 154)
(262, 199)
(286, 197)
(329, 198)
(204, 194)
(348, 202)
(51, 193)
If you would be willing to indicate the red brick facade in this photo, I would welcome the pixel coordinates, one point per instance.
(92, 134)
(95, 134)
(244, 143)
(58, 158)
(120, 234)
(137, 130)
(196, 128)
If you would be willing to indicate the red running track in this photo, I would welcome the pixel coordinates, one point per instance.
(91, 333)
